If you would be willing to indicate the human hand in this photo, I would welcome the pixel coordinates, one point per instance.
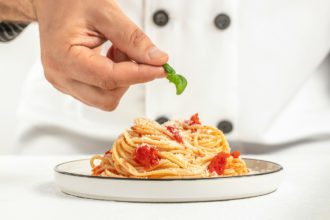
(71, 32)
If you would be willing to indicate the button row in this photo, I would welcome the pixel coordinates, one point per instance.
(225, 126)
(161, 18)
(162, 119)
(222, 21)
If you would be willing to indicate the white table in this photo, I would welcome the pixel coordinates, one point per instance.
(27, 191)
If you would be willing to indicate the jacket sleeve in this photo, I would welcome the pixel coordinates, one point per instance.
(8, 31)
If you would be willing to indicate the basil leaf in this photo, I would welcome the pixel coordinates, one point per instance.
(168, 69)
(179, 81)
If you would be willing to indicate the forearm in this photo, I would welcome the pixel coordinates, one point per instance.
(17, 11)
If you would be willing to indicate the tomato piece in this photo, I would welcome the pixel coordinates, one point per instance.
(146, 155)
(218, 163)
(176, 134)
(235, 154)
(108, 153)
(194, 120)
(97, 170)
(171, 129)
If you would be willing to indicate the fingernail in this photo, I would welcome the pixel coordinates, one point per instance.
(155, 53)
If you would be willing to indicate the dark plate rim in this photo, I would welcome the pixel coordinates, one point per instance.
(57, 170)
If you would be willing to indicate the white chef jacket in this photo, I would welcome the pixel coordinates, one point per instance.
(267, 73)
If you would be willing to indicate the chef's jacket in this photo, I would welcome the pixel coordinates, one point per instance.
(257, 70)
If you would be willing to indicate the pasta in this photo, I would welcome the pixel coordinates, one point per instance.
(175, 149)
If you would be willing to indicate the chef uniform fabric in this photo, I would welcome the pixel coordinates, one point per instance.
(9, 30)
(259, 71)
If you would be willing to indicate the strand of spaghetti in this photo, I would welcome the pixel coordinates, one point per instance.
(161, 145)
(172, 158)
(128, 138)
(164, 163)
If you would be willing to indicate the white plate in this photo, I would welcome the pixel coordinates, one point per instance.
(74, 178)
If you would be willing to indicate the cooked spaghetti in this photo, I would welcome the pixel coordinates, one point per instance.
(176, 149)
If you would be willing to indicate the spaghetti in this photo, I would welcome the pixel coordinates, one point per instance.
(176, 149)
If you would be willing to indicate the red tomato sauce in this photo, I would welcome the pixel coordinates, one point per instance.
(194, 120)
(235, 154)
(218, 163)
(147, 156)
(175, 132)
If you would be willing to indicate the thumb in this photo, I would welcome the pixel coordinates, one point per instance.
(129, 39)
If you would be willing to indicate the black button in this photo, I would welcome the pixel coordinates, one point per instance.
(225, 126)
(160, 18)
(162, 119)
(222, 21)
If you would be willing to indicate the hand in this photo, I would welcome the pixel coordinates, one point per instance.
(71, 32)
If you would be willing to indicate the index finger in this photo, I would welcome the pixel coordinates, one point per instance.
(94, 69)
(130, 73)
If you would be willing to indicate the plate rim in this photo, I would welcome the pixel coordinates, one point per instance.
(56, 169)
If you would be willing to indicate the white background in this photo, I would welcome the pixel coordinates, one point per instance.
(16, 59)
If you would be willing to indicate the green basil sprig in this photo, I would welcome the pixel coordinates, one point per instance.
(179, 81)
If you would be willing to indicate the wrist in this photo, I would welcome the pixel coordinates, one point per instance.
(21, 11)
(33, 10)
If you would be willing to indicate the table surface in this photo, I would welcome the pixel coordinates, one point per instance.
(28, 191)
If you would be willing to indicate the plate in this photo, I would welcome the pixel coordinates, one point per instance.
(74, 178)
